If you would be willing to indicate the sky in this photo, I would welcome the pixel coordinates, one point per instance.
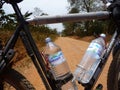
(51, 7)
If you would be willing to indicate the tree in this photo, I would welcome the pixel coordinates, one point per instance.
(84, 6)
(3, 18)
(9, 21)
(71, 28)
(27, 14)
(87, 5)
(38, 12)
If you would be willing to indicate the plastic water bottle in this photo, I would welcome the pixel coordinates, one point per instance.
(58, 65)
(90, 60)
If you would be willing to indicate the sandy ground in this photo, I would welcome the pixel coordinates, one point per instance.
(73, 50)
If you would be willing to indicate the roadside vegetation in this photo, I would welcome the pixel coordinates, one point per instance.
(87, 28)
(8, 23)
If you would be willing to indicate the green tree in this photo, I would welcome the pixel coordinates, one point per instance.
(9, 21)
(87, 5)
(71, 28)
(3, 18)
(84, 27)
(27, 15)
(38, 12)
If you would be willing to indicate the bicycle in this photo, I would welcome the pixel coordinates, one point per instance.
(112, 13)
(11, 76)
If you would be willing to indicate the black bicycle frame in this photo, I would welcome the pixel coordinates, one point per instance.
(114, 13)
(30, 46)
(32, 50)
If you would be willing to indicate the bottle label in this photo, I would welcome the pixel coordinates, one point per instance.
(96, 48)
(56, 58)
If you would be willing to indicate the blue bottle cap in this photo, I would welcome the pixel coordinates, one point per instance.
(48, 39)
(102, 35)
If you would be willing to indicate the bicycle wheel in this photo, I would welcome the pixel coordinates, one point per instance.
(113, 79)
(16, 80)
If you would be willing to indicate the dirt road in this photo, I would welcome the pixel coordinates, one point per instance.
(73, 50)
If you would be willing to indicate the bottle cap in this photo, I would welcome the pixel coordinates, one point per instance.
(48, 39)
(102, 35)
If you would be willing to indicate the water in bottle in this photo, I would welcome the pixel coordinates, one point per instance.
(90, 60)
(58, 64)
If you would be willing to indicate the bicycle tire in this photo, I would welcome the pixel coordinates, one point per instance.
(113, 78)
(16, 79)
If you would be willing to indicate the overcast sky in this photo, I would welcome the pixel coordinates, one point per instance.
(51, 7)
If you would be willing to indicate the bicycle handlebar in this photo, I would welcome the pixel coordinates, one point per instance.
(70, 17)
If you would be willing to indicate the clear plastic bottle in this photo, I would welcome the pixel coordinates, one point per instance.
(58, 64)
(90, 60)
